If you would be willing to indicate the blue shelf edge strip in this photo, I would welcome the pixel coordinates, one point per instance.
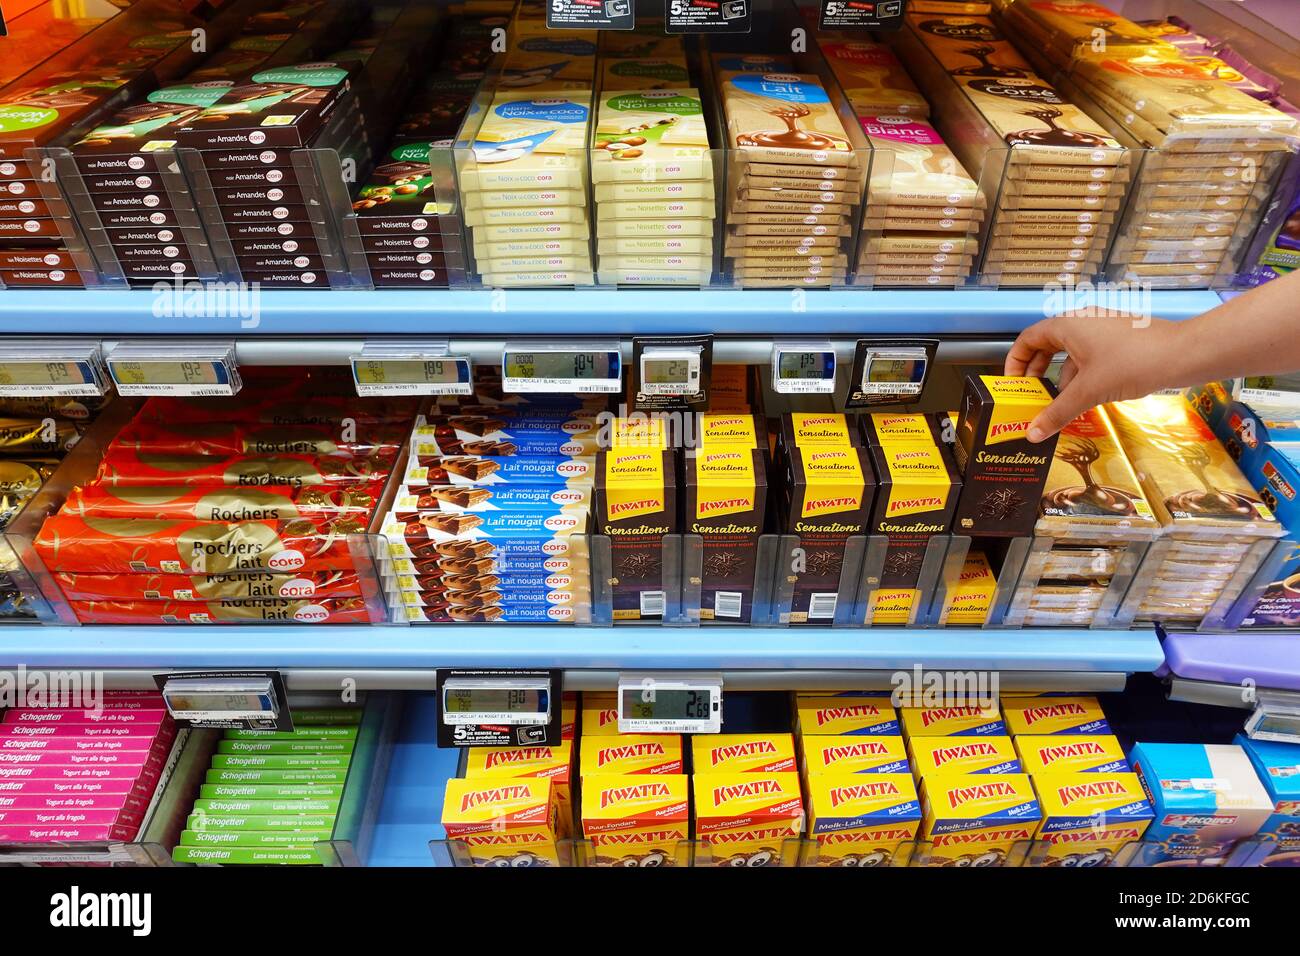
(564, 312)
(617, 648)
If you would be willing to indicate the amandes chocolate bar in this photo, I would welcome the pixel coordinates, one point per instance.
(68, 542)
(222, 503)
(281, 107)
(1003, 472)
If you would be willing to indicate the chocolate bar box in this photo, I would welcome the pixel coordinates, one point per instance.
(636, 506)
(726, 498)
(1004, 472)
(828, 495)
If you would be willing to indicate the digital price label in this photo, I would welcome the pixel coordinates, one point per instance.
(191, 371)
(251, 699)
(1275, 718)
(498, 708)
(35, 378)
(447, 375)
(890, 372)
(578, 369)
(803, 368)
(670, 371)
(669, 703)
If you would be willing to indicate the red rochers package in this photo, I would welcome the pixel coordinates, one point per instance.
(68, 542)
(246, 586)
(232, 438)
(124, 467)
(305, 611)
(223, 503)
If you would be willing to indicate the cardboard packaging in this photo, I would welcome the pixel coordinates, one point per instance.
(1089, 818)
(975, 819)
(1082, 754)
(944, 755)
(503, 822)
(726, 500)
(748, 819)
(636, 506)
(861, 820)
(631, 820)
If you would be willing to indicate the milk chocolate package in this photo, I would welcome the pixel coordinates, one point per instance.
(636, 506)
(1003, 472)
(827, 498)
(726, 499)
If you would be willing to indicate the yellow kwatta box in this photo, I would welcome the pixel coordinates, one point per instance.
(860, 819)
(636, 820)
(503, 822)
(747, 819)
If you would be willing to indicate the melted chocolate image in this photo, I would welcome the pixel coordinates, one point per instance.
(1091, 498)
(985, 68)
(1054, 135)
(1207, 500)
(792, 137)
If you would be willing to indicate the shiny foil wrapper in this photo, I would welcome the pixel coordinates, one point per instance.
(247, 586)
(68, 542)
(229, 439)
(37, 436)
(19, 480)
(125, 467)
(306, 611)
(223, 503)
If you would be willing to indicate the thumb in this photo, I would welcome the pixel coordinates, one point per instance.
(1065, 409)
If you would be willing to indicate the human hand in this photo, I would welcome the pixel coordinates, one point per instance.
(1111, 357)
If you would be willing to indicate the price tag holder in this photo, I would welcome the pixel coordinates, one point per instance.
(669, 703)
(191, 370)
(53, 368)
(578, 368)
(671, 373)
(861, 14)
(590, 15)
(890, 371)
(708, 16)
(249, 700)
(1276, 717)
(803, 368)
(411, 369)
(499, 708)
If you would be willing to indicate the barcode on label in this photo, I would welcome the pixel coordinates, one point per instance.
(821, 607)
(727, 603)
(652, 603)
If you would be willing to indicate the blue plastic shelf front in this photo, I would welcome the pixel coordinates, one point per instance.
(1270, 660)
(557, 312)
(619, 648)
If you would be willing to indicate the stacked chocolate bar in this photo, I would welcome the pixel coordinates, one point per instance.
(406, 233)
(1092, 513)
(923, 209)
(654, 188)
(492, 519)
(243, 509)
(81, 775)
(523, 184)
(795, 178)
(1201, 194)
(247, 138)
(1212, 519)
(51, 109)
(1063, 177)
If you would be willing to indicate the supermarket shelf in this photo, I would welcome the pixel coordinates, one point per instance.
(359, 649)
(1268, 660)
(554, 312)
